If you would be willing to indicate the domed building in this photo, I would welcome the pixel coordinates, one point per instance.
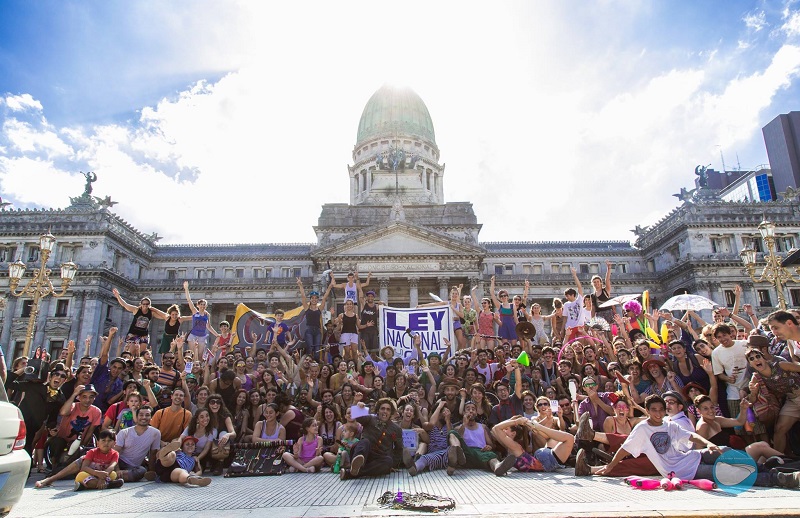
(396, 226)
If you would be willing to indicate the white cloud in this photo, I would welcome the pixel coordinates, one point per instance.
(755, 21)
(792, 24)
(536, 120)
(19, 103)
(29, 139)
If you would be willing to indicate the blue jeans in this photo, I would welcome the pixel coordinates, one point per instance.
(313, 339)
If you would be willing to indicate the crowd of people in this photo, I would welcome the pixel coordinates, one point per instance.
(610, 390)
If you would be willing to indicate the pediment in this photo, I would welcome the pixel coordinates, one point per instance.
(398, 238)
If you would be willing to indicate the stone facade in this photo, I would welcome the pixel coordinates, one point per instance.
(396, 227)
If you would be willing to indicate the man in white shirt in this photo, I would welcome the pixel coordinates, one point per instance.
(137, 443)
(785, 326)
(730, 365)
(661, 441)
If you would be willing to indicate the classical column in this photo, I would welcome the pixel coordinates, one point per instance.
(46, 307)
(413, 295)
(78, 297)
(475, 282)
(384, 287)
(444, 288)
(270, 306)
(90, 321)
(5, 336)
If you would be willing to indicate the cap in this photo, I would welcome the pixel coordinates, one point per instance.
(371, 292)
(88, 388)
(189, 438)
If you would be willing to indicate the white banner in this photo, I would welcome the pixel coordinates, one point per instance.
(433, 324)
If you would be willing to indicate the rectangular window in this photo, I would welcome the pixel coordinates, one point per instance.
(240, 273)
(730, 298)
(787, 242)
(583, 268)
(33, 253)
(258, 273)
(286, 272)
(526, 269)
(172, 275)
(720, 245)
(199, 274)
(211, 273)
(537, 269)
(56, 346)
(764, 299)
(622, 268)
(4, 255)
(19, 345)
(752, 242)
(228, 273)
(651, 266)
(508, 269)
(795, 294)
(27, 307)
(267, 272)
(62, 305)
(594, 268)
(498, 269)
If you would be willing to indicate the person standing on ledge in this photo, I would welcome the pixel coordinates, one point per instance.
(139, 331)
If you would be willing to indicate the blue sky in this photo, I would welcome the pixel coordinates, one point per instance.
(241, 111)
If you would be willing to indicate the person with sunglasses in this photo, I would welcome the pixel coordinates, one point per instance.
(39, 402)
(780, 378)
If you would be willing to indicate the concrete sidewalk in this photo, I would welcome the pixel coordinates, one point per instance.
(476, 493)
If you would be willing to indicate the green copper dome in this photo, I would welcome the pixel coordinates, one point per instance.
(395, 110)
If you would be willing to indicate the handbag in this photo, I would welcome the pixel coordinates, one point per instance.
(766, 407)
(220, 452)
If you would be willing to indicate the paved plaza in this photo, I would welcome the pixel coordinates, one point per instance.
(476, 494)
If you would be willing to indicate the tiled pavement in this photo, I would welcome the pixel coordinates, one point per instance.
(476, 494)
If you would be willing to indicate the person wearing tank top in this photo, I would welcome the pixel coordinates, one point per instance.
(138, 336)
(353, 287)
(313, 307)
(349, 336)
(171, 328)
(201, 327)
(475, 441)
(268, 428)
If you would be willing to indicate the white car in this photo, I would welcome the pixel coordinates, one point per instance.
(15, 463)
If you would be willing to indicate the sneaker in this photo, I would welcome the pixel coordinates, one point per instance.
(773, 462)
(150, 476)
(115, 484)
(582, 468)
(412, 470)
(450, 471)
(355, 465)
(408, 460)
(344, 474)
(78, 486)
(506, 465)
(585, 431)
(789, 480)
(602, 455)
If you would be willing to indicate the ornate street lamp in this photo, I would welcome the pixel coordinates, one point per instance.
(773, 272)
(39, 286)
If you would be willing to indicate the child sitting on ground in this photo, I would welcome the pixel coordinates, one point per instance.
(99, 464)
(307, 457)
(342, 457)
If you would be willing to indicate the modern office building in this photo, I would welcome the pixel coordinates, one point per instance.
(782, 138)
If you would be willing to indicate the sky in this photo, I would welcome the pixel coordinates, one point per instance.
(233, 122)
